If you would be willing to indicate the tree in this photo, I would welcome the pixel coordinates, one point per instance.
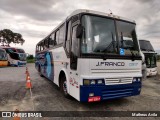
(7, 37)
(30, 57)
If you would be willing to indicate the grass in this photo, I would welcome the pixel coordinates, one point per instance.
(158, 60)
(30, 60)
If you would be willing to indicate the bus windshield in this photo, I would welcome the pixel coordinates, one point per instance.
(146, 45)
(150, 60)
(100, 36)
(20, 50)
(10, 50)
(17, 54)
(127, 36)
(3, 55)
(22, 56)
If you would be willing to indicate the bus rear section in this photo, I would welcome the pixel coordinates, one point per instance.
(92, 56)
(16, 56)
(3, 58)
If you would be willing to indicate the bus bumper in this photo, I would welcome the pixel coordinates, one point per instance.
(3, 63)
(106, 92)
(20, 63)
(152, 72)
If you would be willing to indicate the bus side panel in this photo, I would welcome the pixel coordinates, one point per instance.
(3, 63)
(48, 68)
(40, 61)
(58, 59)
(44, 62)
(62, 63)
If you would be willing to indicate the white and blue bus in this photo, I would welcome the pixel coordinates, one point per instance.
(16, 56)
(87, 58)
(3, 58)
(150, 57)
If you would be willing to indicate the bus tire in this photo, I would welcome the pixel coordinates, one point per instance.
(9, 64)
(63, 86)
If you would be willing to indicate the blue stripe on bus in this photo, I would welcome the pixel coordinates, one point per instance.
(107, 92)
(21, 63)
(44, 60)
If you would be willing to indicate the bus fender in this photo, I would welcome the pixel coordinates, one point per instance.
(63, 71)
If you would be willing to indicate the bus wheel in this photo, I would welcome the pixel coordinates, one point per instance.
(9, 64)
(63, 86)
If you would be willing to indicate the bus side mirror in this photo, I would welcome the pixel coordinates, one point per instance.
(79, 31)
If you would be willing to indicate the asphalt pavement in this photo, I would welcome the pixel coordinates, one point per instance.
(47, 97)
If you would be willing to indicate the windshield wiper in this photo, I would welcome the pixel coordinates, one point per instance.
(147, 49)
(122, 40)
(144, 49)
(112, 43)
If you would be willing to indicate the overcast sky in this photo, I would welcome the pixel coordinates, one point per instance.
(35, 19)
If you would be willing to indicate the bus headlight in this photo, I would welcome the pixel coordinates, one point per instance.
(100, 82)
(86, 82)
(134, 80)
(93, 82)
(139, 79)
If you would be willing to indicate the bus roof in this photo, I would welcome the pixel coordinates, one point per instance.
(98, 13)
(2, 49)
(78, 11)
(10, 47)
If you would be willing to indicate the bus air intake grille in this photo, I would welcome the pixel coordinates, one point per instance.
(116, 93)
(117, 81)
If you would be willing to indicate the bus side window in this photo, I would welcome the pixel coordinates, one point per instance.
(54, 42)
(74, 49)
(50, 41)
(40, 48)
(61, 34)
(46, 43)
(57, 37)
(42, 45)
(67, 45)
(37, 48)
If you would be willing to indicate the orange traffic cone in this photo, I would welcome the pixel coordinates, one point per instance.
(28, 82)
(16, 115)
(27, 74)
(27, 70)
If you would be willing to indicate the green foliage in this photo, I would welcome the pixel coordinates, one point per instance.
(7, 37)
(158, 58)
(30, 59)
